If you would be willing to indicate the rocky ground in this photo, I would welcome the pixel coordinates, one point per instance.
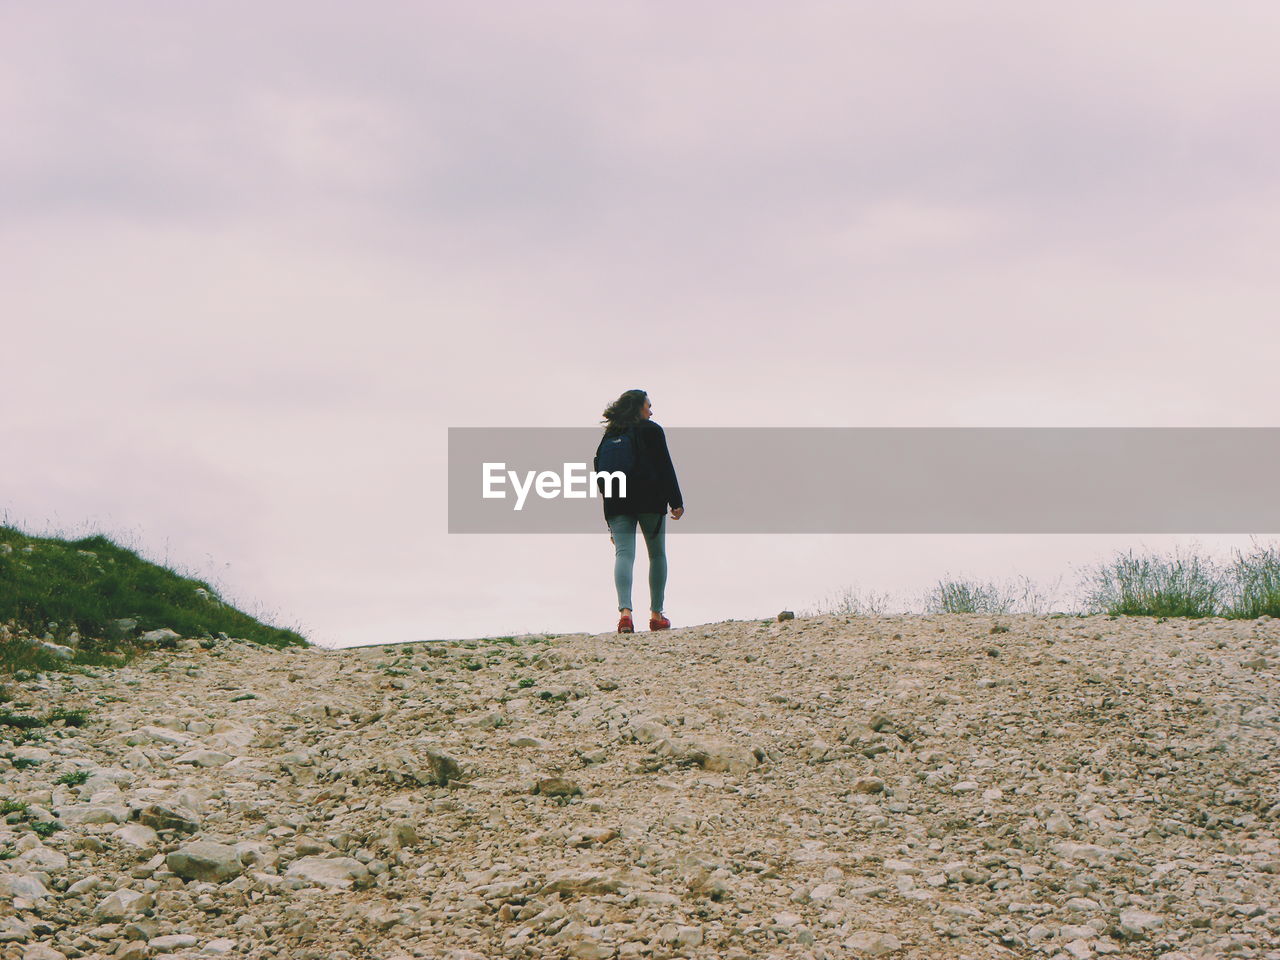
(923, 787)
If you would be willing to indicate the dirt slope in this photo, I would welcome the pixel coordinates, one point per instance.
(834, 787)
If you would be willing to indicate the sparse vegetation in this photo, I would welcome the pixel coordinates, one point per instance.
(851, 602)
(1183, 584)
(968, 596)
(1255, 584)
(1150, 585)
(74, 778)
(21, 721)
(68, 718)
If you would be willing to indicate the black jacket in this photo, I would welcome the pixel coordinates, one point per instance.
(652, 486)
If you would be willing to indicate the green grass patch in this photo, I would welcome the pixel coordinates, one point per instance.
(1184, 584)
(525, 682)
(968, 596)
(74, 778)
(21, 763)
(69, 718)
(21, 721)
(1254, 584)
(44, 829)
(90, 583)
(8, 807)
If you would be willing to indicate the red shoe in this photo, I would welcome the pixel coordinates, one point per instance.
(625, 625)
(662, 623)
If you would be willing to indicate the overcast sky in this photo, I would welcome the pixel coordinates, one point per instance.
(258, 257)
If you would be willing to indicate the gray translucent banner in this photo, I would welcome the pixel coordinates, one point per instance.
(1202, 480)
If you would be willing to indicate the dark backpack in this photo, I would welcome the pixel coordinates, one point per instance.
(619, 453)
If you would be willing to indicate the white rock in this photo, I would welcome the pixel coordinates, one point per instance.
(689, 937)
(136, 835)
(117, 905)
(204, 758)
(1136, 924)
(13, 930)
(328, 871)
(22, 885)
(84, 885)
(155, 636)
(94, 813)
(869, 943)
(648, 730)
(525, 740)
(205, 860)
(42, 858)
(173, 941)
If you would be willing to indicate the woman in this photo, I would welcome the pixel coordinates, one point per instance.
(651, 486)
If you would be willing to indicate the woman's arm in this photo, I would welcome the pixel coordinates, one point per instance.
(666, 470)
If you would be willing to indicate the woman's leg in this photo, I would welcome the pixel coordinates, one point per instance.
(654, 527)
(623, 528)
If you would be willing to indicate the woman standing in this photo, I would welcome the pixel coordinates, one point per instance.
(651, 488)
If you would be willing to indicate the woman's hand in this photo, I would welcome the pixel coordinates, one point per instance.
(677, 513)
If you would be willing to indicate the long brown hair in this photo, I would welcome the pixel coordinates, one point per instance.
(624, 412)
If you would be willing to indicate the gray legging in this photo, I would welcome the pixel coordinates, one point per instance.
(623, 528)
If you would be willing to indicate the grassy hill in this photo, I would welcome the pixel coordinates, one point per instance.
(78, 591)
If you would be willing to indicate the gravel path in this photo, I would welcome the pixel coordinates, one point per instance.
(910, 787)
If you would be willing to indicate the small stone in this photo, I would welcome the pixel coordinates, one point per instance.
(872, 944)
(86, 885)
(715, 756)
(137, 835)
(525, 740)
(557, 787)
(205, 758)
(589, 950)
(160, 817)
(648, 730)
(13, 930)
(402, 834)
(1057, 824)
(205, 860)
(160, 637)
(173, 941)
(689, 937)
(339, 872)
(1137, 924)
(117, 905)
(868, 785)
